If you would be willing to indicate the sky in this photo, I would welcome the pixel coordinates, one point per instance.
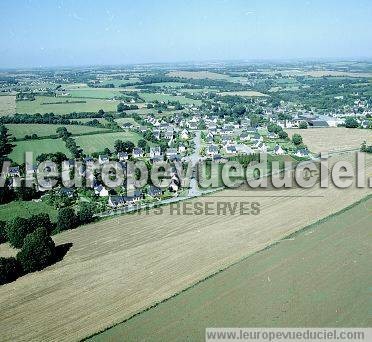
(36, 33)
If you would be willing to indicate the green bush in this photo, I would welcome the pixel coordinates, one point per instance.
(9, 270)
(16, 230)
(85, 213)
(19, 227)
(3, 235)
(66, 219)
(38, 251)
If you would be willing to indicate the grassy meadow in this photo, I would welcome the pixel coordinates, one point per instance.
(150, 97)
(37, 147)
(98, 142)
(20, 130)
(25, 209)
(68, 106)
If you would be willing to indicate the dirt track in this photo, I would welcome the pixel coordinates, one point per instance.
(118, 267)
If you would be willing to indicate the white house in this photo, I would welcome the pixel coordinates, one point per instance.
(103, 159)
(212, 150)
(122, 156)
(184, 134)
(278, 150)
(137, 152)
(155, 152)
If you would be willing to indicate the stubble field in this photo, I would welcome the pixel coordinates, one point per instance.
(333, 139)
(119, 267)
(7, 104)
(317, 277)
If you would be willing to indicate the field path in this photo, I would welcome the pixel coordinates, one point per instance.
(121, 266)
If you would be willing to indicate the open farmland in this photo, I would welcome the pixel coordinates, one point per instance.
(37, 147)
(247, 93)
(63, 105)
(199, 75)
(332, 139)
(324, 73)
(7, 104)
(95, 93)
(121, 266)
(272, 288)
(151, 97)
(98, 142)
(42, 130)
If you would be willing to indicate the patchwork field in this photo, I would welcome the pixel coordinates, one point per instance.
(333, 139)
(322, 73)
(198, 75)
(119, 267)
(98, 142)
(20, 130)
(248, 93)
(45, 104)
(7, 104)
(97, 93)
(272, 288)
(37, 147)
(150, 97)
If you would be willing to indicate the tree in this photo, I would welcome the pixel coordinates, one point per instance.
(121, 107)
(66, 219)
(17, 230)
(40, 220)
(119, 146)
(351, 122)
(3, 236)
(283, 135)
(9, 270)
(142, 144)
(85, 213)
(128, 146)
(302, 125)
(297, 139)
(38, 251)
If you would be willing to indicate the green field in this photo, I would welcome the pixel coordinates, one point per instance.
(318, 277)
(37, 147)
(20, 130)
(96, 93)
(150, 97)
(98, 142)
(90, 105)
(122, 121)
(25, 209)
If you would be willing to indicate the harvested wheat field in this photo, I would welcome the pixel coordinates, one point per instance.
(318, 277)
(333, 139)
(119, 267)
(7, 104)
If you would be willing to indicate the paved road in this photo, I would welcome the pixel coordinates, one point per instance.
(194, 159)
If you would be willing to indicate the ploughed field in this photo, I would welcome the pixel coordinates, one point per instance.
(318, 277)
(121, 266)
